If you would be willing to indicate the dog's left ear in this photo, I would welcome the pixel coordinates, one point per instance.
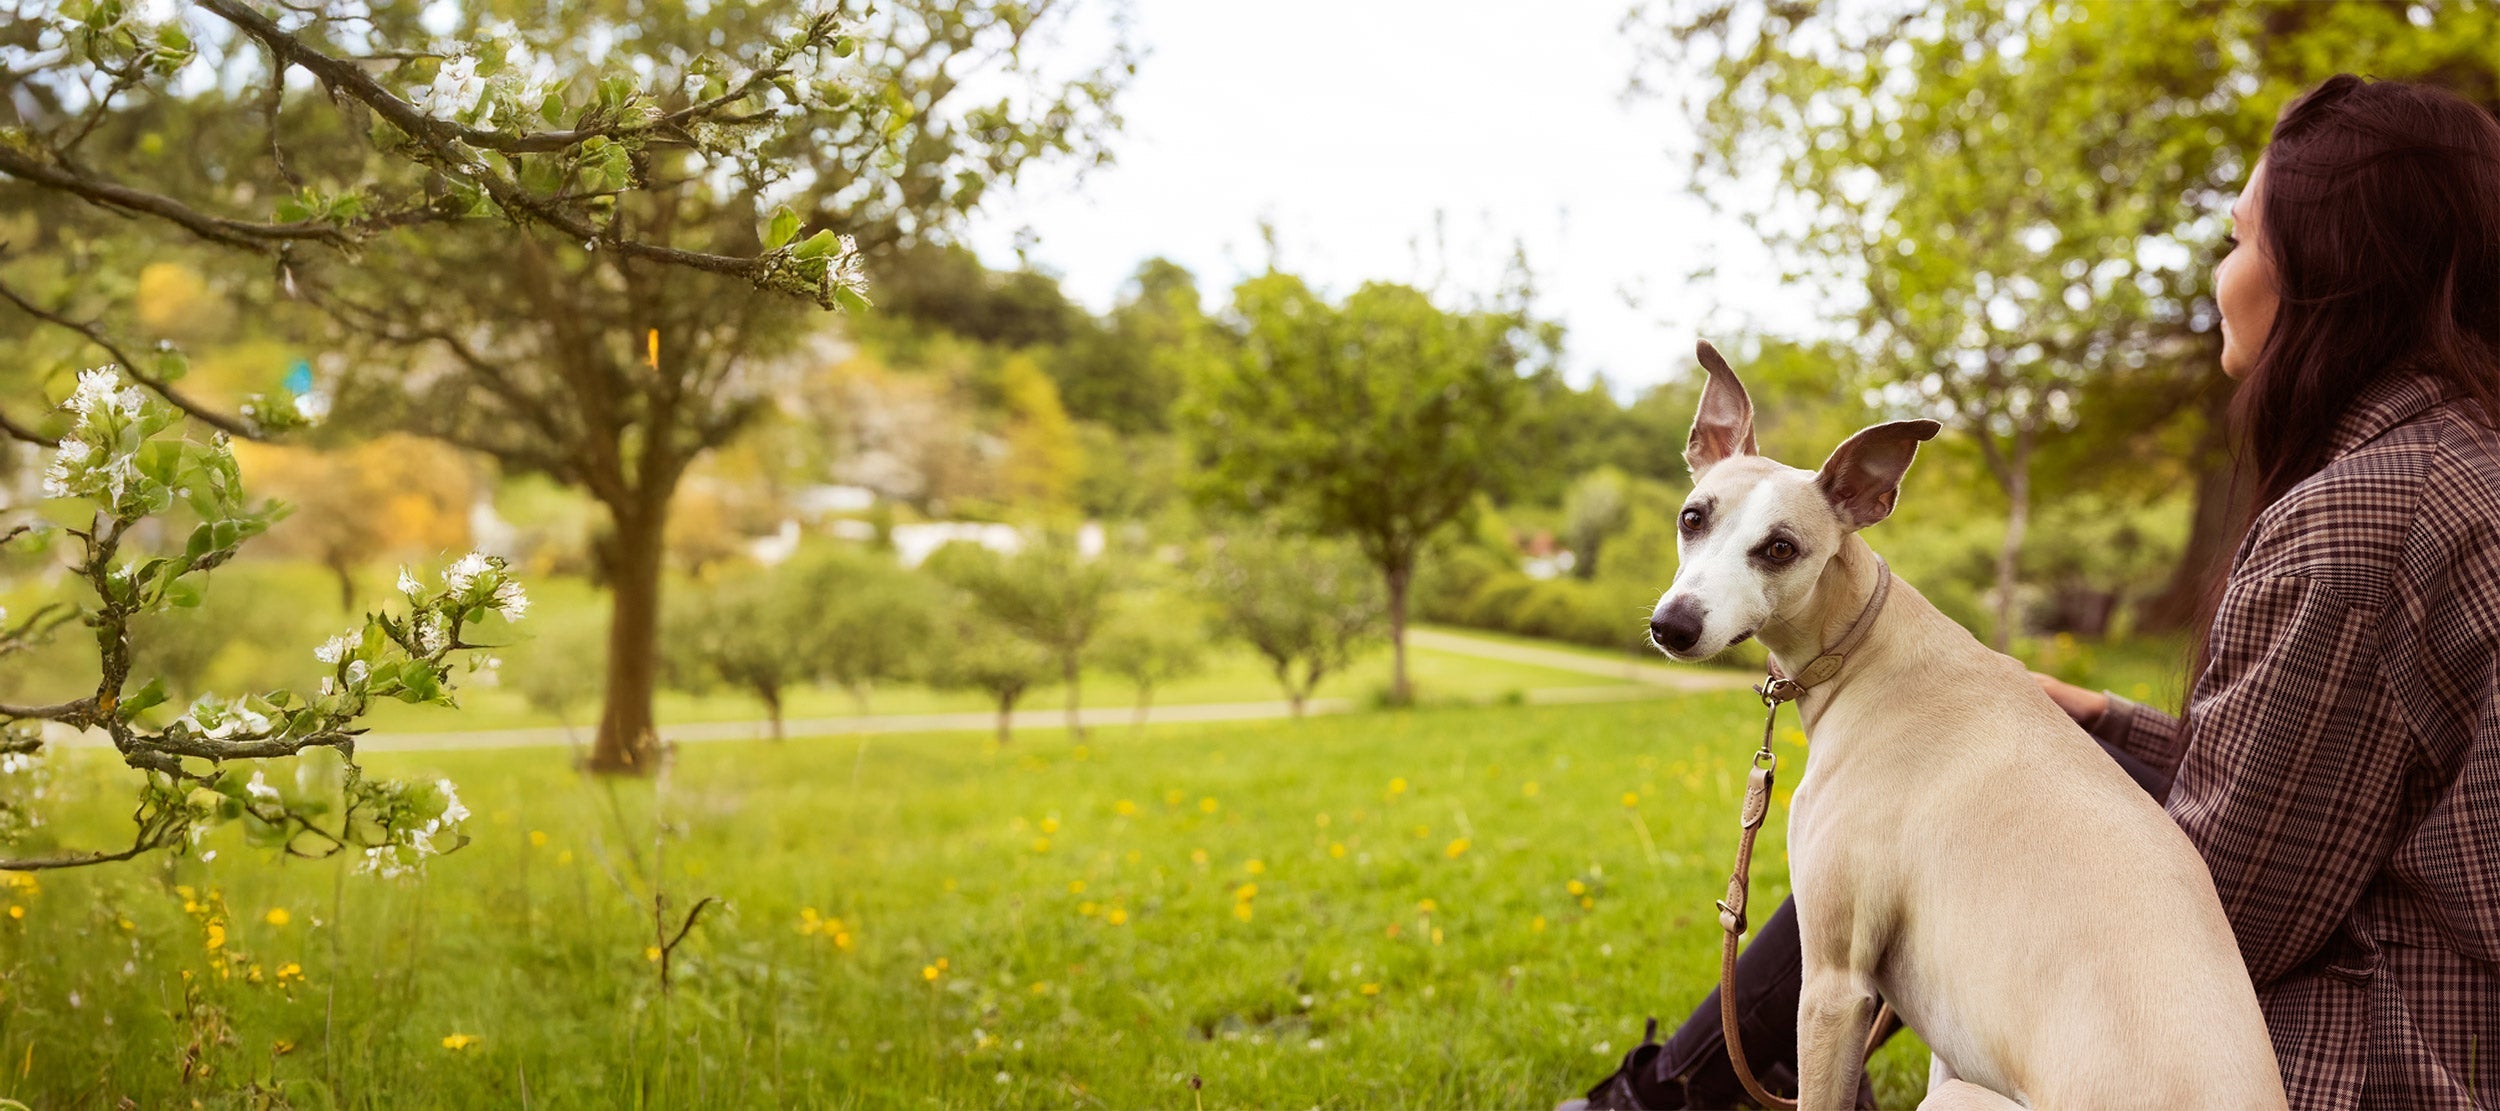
(1862, 479)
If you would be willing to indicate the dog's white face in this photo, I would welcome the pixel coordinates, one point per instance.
(1754, 536)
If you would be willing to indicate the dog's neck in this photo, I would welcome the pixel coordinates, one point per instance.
(1824, 615)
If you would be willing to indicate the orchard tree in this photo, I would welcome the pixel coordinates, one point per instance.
(1047, 593)
(973, 654)
(124, 470)
(1305, 605)
(543, 240)
(745, 630)
(1152, 640)
(1380, 420)
(869, 620)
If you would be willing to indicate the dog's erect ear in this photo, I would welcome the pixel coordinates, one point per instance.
(1723, 426)
(1862, 479)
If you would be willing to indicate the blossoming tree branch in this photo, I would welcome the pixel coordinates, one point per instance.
(122, 463)
(588, 245)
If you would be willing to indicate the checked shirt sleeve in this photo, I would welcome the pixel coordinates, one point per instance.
(2290, 766)
(2140, 731)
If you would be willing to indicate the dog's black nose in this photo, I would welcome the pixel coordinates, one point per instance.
(1677, 625)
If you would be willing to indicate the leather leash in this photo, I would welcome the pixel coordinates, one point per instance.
(1776, 689)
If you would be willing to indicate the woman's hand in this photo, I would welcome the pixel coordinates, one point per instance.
(2086, 707)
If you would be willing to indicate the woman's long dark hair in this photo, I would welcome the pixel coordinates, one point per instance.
(2381, 214)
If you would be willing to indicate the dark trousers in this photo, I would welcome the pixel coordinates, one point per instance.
(1692, 1069)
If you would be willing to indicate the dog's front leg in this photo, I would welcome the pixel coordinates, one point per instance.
(1835, 1008)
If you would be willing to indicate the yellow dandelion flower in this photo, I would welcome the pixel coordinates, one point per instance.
(252, 977)
(1427, 906)
(1207, 805)
(1173, 797)
(1117, 917)
(1198, 857)
(1536, 925)
(459, 1041)
(1436, 935)
(929, 972)
(216, 936)
(1336, 850)
(1050, 825)
(1529, 788)
(1041, 844)
(538, 838)
(1124, 808)
(277, 916)
(280, 1047)
(842, 941)
(1397, 787)
(941, 963)
(16, 911)
(1087, 908)
(565, 857)
(1394, 929)
(1371, 989)
(1576, 887)
(1254, 867)
(1076, 887)
(651, 953)
(1456, 849)
(1242, 911)
(290, 971)
(1587, 902)
(126, 924)
(1323, 821)
(1631, 798)
(1040, 988)
(1246, 892)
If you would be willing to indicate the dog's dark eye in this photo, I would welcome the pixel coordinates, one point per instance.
(1781, 550)
(1692, 519)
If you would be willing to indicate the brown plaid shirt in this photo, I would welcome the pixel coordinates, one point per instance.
(2339, 765)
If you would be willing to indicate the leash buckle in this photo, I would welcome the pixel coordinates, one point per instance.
(1776, 689)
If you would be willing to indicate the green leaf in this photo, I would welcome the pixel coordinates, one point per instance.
(817, 246)
(183, 593)
(144, 698)
(849, 299)
(785, 227)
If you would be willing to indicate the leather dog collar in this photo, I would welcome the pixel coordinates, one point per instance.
(1777, 688)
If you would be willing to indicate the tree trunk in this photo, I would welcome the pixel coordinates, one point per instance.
(1006, 718)
(1401, 692)
(2209, 535)
(345, 571)
(1145, 697)
(1296, 697)
(1069, 667)
(2017, 484)
(628, 737)
(772, 706)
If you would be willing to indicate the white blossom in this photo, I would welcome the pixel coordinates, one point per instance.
(336, 648)
(431, 635)
(313, 406)
(130, 401)
(849, 271)
(452, 810)
(95, 388)
(356, 673)
(409, 585)
(259, 789)
(510, 601)
(460, 575)
(455, 91)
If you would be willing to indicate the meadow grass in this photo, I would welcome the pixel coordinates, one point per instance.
(1440, 907)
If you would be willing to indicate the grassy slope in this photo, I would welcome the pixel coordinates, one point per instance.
(946, 846)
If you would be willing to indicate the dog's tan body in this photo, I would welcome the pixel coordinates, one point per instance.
(1958, 846)
(1961, 848)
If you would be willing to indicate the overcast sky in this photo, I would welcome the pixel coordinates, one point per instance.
(1351, 123)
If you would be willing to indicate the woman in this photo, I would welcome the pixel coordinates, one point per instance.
(2339, 762)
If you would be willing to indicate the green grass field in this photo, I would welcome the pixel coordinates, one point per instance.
(1430, 908)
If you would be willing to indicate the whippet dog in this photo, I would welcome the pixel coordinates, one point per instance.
(1958, 846)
